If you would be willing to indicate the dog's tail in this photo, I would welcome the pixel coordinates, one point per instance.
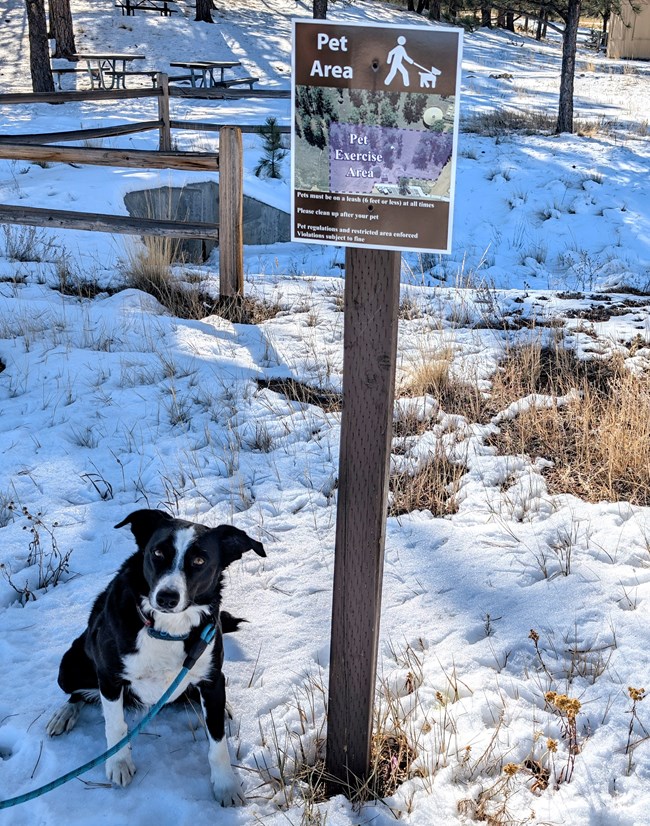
(230, 624)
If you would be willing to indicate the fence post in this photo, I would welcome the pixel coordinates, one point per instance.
(165, 139)
(231, 212)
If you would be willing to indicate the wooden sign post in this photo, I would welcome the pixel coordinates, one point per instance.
(372, 279)
(375, 119)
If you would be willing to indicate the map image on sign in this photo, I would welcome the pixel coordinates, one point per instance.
(387, 143)
(386, 160)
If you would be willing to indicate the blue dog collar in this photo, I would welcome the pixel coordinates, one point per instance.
(160, 635)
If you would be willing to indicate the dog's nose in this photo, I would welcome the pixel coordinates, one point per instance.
(167, 599)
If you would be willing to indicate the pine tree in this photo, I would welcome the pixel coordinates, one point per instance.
(61, 28)
(274, 153)
(39, 51)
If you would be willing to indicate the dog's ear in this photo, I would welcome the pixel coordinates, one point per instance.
(233, 543)
(143, 524)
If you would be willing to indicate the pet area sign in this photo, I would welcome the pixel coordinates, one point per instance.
(374, 134)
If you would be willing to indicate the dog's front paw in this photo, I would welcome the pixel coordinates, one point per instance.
(226, 788)
(120, 769)
(64, 719)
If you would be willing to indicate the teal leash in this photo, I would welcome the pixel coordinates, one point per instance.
(207, 635)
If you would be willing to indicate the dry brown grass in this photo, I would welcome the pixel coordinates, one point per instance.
(599, 442)
(503, 122)
(244, 309)
(150, 270)
(298, 391)
(432, 487)
(431, 374)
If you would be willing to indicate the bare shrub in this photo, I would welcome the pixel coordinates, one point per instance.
(27, 244)
(44, 555)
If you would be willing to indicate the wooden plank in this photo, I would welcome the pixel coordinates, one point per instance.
(231, 218)
(218, 93)
(199, 126)
(370, 347)
(82, 134)
(67, 97)
(236, 81)
(120, 224)
(130, 158)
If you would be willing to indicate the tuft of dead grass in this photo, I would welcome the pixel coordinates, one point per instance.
(433, 487)
(298, 391)
(244, 309)
(150, 270)
(431, 374)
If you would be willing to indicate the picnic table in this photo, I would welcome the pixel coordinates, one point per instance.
(202, 73)
(129, 7)
(108, 70)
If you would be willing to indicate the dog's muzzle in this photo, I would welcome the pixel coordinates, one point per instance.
(166, 600)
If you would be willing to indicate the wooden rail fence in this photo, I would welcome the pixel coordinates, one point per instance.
(228, 162)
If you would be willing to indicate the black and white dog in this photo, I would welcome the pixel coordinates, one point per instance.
(141, 628)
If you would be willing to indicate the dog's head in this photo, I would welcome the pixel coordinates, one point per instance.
(183, 561)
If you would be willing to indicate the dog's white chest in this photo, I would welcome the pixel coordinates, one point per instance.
(156, 663)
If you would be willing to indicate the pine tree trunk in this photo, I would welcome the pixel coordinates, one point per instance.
(486, 16)
(204, 11)
(61, 28)
(320, 9)
(435, 10)
(39, 51)
(569, 43)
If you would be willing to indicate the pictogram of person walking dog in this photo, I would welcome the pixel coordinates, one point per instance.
(398, 56)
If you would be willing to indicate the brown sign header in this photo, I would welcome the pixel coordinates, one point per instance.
(357, 57)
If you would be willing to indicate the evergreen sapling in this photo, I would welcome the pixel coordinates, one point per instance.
(269, 165)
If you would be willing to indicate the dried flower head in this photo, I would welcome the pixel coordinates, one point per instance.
(636, 694)
(551, 745)
(511, 769)
(534, 636)
(565, 705)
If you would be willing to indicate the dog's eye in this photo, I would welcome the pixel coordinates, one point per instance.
(158, 553)
(198, 561)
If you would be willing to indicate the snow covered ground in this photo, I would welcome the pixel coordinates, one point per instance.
(111, 404)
